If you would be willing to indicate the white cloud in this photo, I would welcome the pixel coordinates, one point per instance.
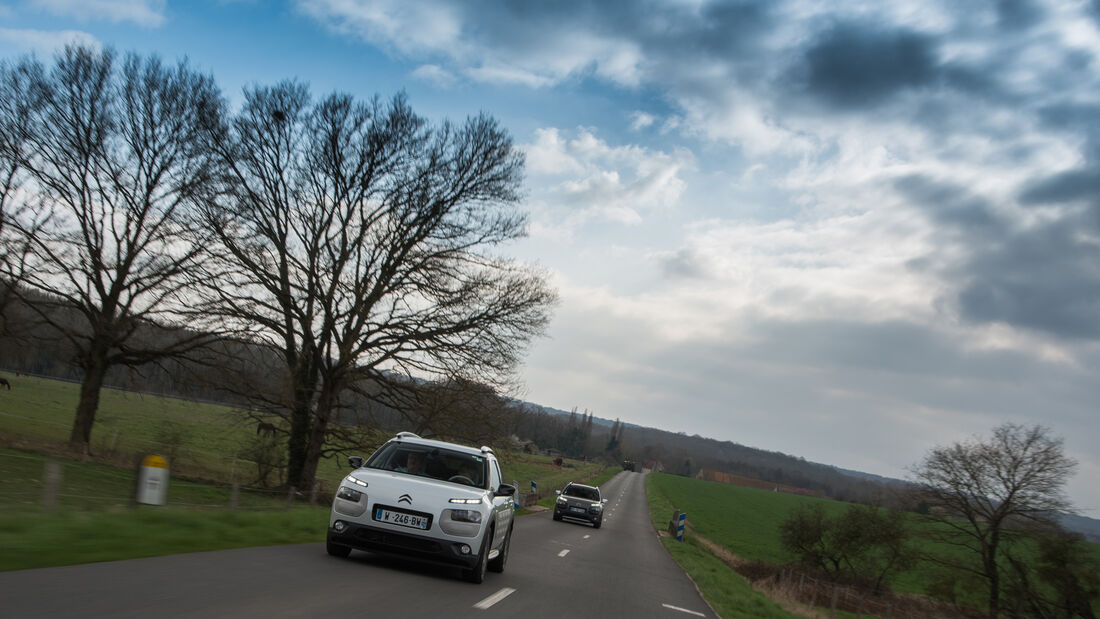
(583, 179)
(148, 13)
(435, 75)
(641, 120)
(46, 42)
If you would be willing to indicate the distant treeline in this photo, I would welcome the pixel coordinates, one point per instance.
(235, 373)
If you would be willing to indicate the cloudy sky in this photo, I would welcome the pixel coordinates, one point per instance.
(848, 231)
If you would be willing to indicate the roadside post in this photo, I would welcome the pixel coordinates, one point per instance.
(680, 527)
(152, 480)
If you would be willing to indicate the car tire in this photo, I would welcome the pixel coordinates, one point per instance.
(557, 516)
(476, 574)
(598, 523)
(337, 550)
(497, 564)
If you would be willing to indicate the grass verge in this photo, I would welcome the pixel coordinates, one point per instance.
(71, 537)
(728, 593)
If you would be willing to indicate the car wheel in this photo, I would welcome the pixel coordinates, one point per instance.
(476, 574)
(598, 523)
(497, 564)
(337, 550)
(557, 516)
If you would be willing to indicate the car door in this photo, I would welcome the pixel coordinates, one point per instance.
(502, 506)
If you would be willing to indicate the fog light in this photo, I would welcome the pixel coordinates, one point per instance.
(464, 549)
(339, 525)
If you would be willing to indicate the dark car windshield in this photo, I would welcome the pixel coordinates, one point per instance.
(582, 492)
(434, 462)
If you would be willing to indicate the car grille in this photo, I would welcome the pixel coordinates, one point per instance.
(396, 540)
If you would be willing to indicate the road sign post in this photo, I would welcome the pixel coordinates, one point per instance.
(680, 527)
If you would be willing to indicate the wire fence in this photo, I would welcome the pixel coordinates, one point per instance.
(48, 482)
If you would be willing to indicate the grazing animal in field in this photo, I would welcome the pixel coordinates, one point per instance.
(265, 429)
(4, 383)
(557, 461)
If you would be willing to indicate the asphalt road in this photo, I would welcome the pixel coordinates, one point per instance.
(555, 569)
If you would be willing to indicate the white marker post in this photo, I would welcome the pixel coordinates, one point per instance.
(680, 527)
(152, 484)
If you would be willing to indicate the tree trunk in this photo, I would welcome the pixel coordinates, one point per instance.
(994, 576)
(301, 417)
(317, 439)
(80, 439)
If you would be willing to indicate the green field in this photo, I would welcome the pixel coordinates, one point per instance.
(745, 521)
(95, 519)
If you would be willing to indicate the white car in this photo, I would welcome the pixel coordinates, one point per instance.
(428, 500)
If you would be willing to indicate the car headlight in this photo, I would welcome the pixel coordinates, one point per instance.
(596, 508)
(353, 480)
(562, 500)
(349, 495)
(466, 515)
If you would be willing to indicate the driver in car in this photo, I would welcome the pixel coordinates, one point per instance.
(414, 464)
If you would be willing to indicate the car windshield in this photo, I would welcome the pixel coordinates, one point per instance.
(434, 462)
(582, 492)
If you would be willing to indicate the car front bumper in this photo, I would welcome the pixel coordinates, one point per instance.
(409, 545)
(587, 515)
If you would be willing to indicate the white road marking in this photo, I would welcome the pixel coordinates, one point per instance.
(494, 598)
(587, 536)
(563, 553)
(683, 610)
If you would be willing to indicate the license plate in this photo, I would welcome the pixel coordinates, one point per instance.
(405, 520)
(579, 510)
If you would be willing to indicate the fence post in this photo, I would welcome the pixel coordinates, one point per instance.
(234, 496)
(290, 496)
(51, 485)
(836, 592)
(801, 579)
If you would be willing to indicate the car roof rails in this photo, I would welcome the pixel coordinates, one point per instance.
(406, 435)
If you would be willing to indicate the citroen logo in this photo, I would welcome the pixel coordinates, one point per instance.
(404, 498)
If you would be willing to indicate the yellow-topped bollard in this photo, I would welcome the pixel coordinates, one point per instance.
(152, 480)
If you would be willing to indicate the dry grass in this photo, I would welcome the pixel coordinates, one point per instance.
(806, 594)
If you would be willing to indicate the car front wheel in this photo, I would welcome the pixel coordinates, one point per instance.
(476, 574)
(497, 564)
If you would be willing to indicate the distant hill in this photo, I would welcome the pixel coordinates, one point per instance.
(1089, 527)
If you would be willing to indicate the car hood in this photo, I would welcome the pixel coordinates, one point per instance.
(422, 493)
(579, 502)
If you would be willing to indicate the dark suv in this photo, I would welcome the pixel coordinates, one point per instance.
(580, 502)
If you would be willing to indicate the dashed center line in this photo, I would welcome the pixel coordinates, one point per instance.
(494, 598)
(563, 553)
(683, 610)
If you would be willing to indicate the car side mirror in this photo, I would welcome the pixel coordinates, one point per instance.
(505, 490)
(355, 461)
(557, 492)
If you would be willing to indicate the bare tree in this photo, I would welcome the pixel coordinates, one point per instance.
(359, 241)
(984, 494)
(16, 103)
(113, 155)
